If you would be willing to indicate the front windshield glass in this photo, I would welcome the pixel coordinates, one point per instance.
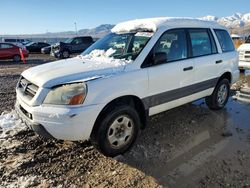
(120, 46)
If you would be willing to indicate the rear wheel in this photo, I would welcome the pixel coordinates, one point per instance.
(220, 95)
(117, 131)
(17, 58)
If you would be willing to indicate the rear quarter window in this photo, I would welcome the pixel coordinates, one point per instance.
(224, 40)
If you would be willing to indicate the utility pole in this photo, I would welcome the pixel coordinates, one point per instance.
(76, 29)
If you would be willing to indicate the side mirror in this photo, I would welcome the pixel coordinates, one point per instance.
(159, 57)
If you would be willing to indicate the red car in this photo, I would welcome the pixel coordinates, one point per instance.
(11, 51)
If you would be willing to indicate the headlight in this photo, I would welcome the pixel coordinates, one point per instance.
(68, 94)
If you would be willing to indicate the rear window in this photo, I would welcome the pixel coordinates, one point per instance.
(224, 40)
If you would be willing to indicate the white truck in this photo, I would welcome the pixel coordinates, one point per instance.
(142, 68)
(244, 55)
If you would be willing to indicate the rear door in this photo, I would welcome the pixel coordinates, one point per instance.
(168, 80)
(228, 57)
(205, 56)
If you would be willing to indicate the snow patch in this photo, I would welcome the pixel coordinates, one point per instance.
(10, 124)
(103, 58)
(23, 182)
(149, 24)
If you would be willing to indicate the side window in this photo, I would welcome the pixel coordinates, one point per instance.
(6, 46)
(224, 40)
(87, 40)
(139, 43)
(77, 41)
(173, 44)
(202, 42)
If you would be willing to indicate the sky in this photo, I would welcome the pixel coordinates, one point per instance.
(41, 16)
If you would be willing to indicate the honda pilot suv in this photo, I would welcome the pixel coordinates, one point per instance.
(71, 46)
(140, 69)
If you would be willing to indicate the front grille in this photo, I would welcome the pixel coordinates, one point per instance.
(247, 56)
(27, 88)
(247, 52)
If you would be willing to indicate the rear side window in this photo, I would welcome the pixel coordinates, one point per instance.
(87, 40)
(224, 40)
(202, 42)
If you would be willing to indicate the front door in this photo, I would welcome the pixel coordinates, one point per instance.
(168, 80)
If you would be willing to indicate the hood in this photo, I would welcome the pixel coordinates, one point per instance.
(70, 70)
(244, 47)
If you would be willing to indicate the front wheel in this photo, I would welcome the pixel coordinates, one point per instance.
(65, 54)
(220, 95)
(117, 131)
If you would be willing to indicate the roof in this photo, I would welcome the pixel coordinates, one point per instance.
(153, 24)
(235, 36)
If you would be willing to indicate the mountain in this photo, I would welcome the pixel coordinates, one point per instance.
(97, 32)
(235, 21)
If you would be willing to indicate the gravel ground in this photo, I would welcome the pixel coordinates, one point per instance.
(189, 146)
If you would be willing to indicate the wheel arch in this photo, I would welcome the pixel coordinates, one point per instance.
(130, 100)
(227, 75)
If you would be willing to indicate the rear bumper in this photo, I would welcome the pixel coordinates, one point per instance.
(244, 65)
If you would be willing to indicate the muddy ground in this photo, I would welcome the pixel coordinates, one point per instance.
(189, 146)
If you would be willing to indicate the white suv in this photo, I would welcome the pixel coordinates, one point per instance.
(143, 67)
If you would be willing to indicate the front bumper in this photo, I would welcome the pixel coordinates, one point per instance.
(244, 65)
(38, 128)
(62, 123)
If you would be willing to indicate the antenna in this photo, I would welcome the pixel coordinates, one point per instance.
(76, 29)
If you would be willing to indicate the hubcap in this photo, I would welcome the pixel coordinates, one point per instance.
(65, 54)
(222, 94)
(120, 132)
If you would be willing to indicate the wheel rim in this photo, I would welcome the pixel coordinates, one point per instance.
(222, 94)
(65, 54)
(120, 132)
(17, 58)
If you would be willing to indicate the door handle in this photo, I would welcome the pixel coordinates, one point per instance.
(188, 68)
(219, 61)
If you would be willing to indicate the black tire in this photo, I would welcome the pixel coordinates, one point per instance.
(16, 58)
(100, 136)
(213, 101)
(242, 70)
(65, 54)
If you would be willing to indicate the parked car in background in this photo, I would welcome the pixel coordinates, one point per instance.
(18, 42)
(244, 55)
(46, 50)
(140, 69)
(70, 46)
(36, 46)
(11, 51)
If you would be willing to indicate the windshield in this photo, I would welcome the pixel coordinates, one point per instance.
(120, 46)
(68, 40)
(30, 43)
